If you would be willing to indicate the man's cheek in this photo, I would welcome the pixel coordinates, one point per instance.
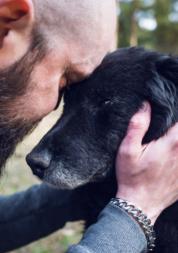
(44, 92)
(37, 103)
(42, 103)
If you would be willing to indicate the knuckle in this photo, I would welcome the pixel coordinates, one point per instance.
(136, 124)
(128, 153)
(122, 151)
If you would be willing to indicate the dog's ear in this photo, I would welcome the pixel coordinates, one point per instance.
(162, 94)
(167, 66)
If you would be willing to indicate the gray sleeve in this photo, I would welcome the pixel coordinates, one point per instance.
(32, 214)
(114, 232)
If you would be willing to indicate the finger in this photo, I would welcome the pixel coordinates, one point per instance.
(137, 129)
(165, 144)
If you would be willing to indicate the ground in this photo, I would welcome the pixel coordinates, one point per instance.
(18, 177)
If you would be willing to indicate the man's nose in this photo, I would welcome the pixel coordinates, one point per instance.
(39, 162)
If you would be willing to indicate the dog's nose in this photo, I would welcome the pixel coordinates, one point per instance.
(39, 162)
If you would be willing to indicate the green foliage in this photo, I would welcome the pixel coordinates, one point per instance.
(149, 23)
(40, 249)
(68, 240)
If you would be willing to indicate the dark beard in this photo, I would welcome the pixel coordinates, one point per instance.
(14, 84)
(10, 135)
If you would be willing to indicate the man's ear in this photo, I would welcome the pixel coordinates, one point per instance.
(16, 22)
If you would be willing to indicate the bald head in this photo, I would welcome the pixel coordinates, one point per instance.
(87, 28)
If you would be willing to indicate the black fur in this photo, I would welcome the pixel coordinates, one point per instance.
(81, 147)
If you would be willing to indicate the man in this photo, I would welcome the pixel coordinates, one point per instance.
(46, 45)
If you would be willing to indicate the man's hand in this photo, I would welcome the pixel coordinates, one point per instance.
(148, 174)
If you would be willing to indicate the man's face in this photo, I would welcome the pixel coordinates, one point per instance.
(40, 54)
(16, 87)
(29, 89)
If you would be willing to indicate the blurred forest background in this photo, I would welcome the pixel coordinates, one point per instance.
(149, 23)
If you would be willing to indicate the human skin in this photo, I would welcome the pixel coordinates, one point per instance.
(148, 174)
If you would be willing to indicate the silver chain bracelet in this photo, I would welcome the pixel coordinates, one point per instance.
(141, 219)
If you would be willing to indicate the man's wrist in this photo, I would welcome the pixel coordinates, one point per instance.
(140, 217)
(145, 206)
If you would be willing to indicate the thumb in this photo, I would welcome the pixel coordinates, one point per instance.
(138, 127)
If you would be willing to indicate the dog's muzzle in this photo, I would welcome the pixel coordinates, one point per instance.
(39, 162)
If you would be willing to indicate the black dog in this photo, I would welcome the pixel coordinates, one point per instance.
(81, 148)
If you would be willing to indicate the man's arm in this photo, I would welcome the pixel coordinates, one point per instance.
(114, 232)
(30, 215)
(143, 179)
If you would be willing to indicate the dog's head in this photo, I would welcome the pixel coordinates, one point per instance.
(81, 147)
